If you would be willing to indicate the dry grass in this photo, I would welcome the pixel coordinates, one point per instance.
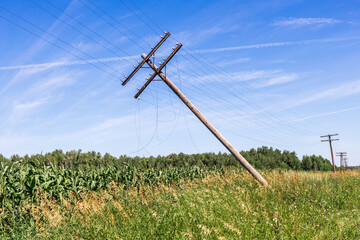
(232, 205)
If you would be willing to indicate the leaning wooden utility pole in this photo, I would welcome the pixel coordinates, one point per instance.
(330, 140)
(213, 130)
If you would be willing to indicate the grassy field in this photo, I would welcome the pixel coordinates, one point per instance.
(230, 205)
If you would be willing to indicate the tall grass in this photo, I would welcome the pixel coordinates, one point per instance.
(219, 205)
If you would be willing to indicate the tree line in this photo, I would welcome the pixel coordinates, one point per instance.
(263, 158)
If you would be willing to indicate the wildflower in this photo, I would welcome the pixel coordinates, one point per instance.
(275, 215)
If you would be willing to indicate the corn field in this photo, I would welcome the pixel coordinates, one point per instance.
(40, 195)
(20, 180)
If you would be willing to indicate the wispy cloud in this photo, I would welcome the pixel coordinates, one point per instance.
(235, 61)
(25, 108)
(325, 114)
(38, 95)
(297, 22)
(343, 90)
(279, 79)
(200, 51)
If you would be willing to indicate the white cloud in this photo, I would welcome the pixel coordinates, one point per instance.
(297, 22)
(343, 90)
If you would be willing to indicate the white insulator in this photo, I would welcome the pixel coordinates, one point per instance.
(125, 76)
(138, 61)
(121, 80)
(137, 88)
(161, 36)
(151, 47)
(147, 78)
(165, 32)
(159, 63)
(134, 66)
(177, 43)
(173, 48)
(139, 98)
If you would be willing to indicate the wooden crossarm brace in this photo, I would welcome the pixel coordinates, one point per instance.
(158, 70)
(146, 58)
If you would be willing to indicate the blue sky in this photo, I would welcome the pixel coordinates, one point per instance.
(274, 73)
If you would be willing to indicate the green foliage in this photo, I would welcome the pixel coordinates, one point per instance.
(61, 174)
(261, 158)
(316, 163)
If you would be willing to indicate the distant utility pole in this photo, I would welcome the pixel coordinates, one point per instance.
(158, 72)
(346, 164)
(330, 140)
(343, 163)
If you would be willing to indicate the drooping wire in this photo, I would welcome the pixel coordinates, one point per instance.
(138, 132)
(183, 112)
(197, 60)
(208, 62)
(155, 24)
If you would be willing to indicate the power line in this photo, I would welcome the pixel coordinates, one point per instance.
(134, 13)
(52, 35)
(243, 84)
(76, 29)
(123, 3)
(116, 28)
(218, 97)
(63, 49)
(195, 59)
(209, 62)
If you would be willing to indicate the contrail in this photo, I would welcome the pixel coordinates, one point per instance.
(201, 51)
(68, 63)
(274, 44)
